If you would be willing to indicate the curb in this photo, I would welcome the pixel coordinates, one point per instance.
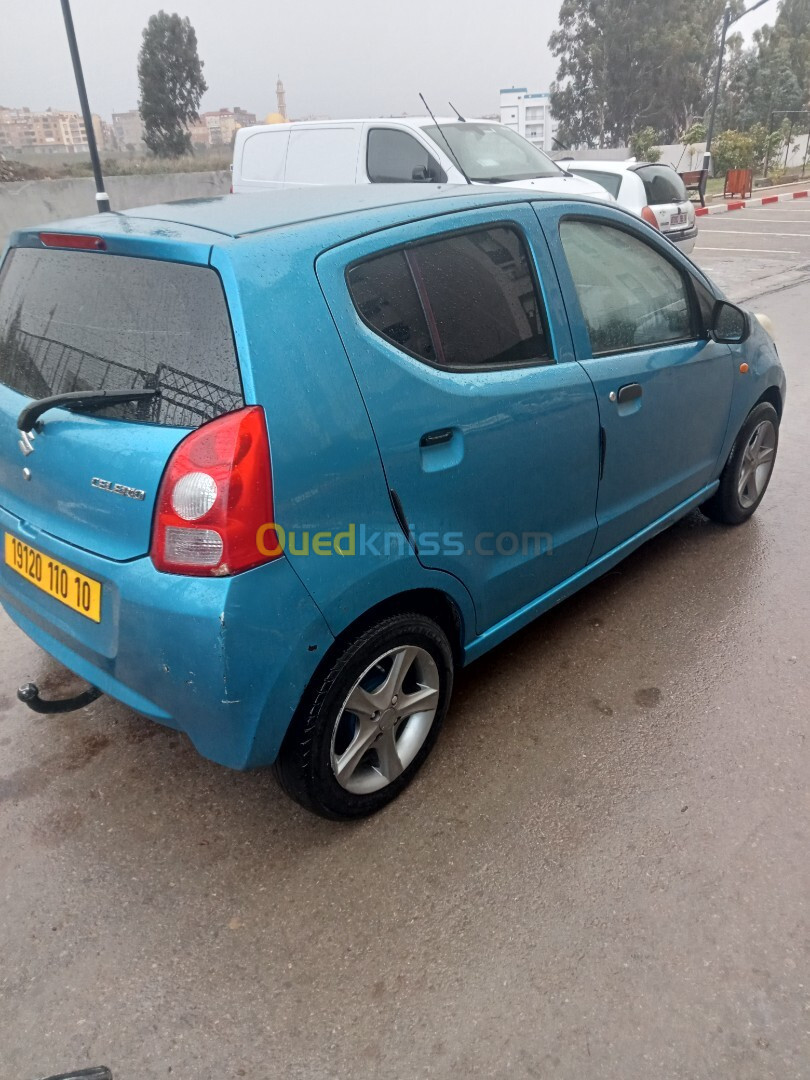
(723, 208)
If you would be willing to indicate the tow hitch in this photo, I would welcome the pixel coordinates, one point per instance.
(29, 695)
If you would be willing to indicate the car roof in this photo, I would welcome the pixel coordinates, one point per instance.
(391, 121)
(388, 204)
(308, 218)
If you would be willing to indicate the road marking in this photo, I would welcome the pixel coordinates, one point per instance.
(755, 232)
(751, 251)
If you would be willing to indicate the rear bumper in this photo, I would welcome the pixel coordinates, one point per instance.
(224, 660)
(684, 240)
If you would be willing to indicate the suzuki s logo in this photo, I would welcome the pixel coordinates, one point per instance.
(26, 443)
(118, 489)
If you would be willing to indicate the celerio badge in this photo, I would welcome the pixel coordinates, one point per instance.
(118, 489)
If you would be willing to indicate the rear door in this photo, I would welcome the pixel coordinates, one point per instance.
(487, 428)
(90, 320)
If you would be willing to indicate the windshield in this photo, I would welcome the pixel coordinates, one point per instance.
(492, 153)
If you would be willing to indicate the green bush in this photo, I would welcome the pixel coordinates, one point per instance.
(733, 150)
(643, 144)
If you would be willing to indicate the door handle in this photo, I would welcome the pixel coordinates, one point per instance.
(631, 392)
(436, 438)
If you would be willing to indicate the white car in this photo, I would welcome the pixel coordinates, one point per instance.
(655, 192)
(395, 151)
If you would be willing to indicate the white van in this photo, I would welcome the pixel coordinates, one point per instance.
(393, 151)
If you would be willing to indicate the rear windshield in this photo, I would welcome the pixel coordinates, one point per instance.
(74, 320)
(610, 181)
(662, 184)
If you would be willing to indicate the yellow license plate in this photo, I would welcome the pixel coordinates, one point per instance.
(63, 583)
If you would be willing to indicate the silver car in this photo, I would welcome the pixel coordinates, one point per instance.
(655, 192)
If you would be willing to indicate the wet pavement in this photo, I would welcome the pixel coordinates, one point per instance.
(602, 872)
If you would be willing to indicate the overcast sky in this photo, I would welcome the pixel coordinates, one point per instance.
(336, 57)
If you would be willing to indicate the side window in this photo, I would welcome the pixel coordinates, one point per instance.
(630, 295)
(322, 155)
(396, 157)
(385, 296)
(476, 295)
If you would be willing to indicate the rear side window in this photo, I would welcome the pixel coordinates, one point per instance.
(610, 181)
(264, 156)
(396, 157)
(322, 156)
(471, 294)
(78, 321)
(384, 294)
(661, 184)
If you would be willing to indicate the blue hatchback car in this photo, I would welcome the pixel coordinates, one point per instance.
(273, 467)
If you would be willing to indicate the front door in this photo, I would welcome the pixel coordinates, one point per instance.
(663, 386)
(487, 428)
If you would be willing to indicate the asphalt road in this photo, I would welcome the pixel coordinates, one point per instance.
(601, 873)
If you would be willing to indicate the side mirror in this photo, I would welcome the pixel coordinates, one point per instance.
(421, 174)
(730, 324)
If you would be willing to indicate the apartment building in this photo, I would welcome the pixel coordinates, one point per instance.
(530, 115)
(49, 132)
(128, 130)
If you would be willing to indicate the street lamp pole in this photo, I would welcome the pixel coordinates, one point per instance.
(102, 198)
(716, 94)
(728, 19)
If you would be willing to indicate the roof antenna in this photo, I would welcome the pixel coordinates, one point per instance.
(447, 144)
(458, 114)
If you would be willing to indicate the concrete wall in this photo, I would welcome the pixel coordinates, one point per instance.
(37, 202)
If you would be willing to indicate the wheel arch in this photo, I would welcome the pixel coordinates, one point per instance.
(773, 396)
(433, 603)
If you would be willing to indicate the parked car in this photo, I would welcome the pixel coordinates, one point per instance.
(388, 151)
(655, 192)
(274, 469)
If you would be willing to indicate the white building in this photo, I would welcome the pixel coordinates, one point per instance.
(529, 115)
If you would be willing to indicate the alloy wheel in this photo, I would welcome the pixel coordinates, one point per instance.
(385, 719)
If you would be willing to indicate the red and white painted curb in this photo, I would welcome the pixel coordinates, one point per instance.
(723, 208)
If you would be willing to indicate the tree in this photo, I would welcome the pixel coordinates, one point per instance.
(644, 145)
(171, 82)
(695, 133)
(622, 67)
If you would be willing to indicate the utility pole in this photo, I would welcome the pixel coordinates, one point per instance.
(102, 198)
(728, 19)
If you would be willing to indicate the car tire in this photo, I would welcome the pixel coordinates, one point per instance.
(747, 473)
(369, 720)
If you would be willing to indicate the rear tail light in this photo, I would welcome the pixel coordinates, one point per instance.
(72, 240)
(649, 216)
(215, 495)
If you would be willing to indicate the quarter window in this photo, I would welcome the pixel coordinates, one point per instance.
(384, 294)
(396, 157)
(475, 293)
(631, 296)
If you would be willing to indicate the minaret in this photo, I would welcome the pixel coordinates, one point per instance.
(281, 98)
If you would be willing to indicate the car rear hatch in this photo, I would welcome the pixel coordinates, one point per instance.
(94, 320)
(668, 199)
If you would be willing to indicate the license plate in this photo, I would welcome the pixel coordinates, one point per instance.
(63, 583)
(678, 219)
